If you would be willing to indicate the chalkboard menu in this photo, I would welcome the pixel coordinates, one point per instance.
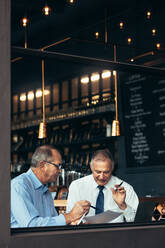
(143, 107)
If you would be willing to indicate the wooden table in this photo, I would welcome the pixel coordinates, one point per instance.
(60, 203)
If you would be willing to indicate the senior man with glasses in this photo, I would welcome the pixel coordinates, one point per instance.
(31, 202)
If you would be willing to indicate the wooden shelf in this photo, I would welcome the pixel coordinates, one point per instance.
(158, 199)
(70, 114)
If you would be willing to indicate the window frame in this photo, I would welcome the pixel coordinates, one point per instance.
(50, 237)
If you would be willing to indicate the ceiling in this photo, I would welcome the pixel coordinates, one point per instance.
(71, 28)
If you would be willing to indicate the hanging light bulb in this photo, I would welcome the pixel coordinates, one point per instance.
(42, 130)
(42, 127)
(46, 10)
(132, 59)
(71, 1)
(97, 35)
(158, 46)
(129, 40)
(115, 123)
(121, 24)
(153, 32)
(115, 128)
(148, 15)
(24, 21)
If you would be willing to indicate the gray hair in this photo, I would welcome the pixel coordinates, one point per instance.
(42, 153)
(102, 155)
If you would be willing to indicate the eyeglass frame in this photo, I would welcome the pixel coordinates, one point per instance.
(58, 166)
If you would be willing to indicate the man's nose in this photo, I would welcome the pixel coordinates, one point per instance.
(101, 175)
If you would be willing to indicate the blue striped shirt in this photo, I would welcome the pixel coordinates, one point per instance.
(32, 204)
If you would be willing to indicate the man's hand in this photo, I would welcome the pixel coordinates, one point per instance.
(80, 208)
(119, 196)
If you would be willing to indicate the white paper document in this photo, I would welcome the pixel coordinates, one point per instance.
(78, 223)
(104, 217)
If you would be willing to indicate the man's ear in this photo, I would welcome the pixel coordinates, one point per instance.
(41, 164)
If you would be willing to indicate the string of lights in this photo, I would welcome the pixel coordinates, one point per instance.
(122, 26)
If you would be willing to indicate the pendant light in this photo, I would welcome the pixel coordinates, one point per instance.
(42, 127)
(115, 123)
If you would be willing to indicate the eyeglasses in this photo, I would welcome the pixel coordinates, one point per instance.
(58, 166)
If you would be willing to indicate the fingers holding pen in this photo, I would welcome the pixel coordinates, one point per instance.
(80, 208)
(118, 186)
(119, 195)
(118, 192)
(120, 189)
(84, 205)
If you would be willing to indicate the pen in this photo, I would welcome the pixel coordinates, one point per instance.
(93, 207)
(119, 186)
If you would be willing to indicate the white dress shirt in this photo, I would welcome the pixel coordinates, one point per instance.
(86, 189)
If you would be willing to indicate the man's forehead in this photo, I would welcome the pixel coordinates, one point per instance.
(102, 162)
(100, 157)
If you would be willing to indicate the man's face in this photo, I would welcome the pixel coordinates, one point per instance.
(51, 171)
(102, 170)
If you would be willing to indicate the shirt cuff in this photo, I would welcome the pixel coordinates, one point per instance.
(127, 210)
(129, 214)
(61, 219)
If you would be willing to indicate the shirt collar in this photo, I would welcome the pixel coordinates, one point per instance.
(36, 182)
